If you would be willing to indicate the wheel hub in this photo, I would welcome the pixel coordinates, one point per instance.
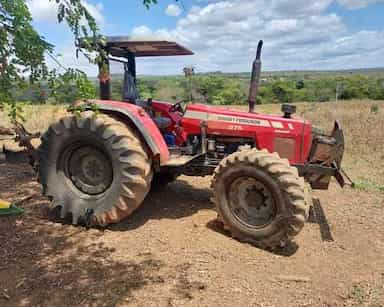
(251, 202)
(92, 168)
(89, 170)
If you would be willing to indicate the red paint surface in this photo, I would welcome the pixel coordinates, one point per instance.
(263, 136)
(294, 128)
(145, 120)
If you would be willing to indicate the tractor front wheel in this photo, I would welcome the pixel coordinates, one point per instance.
(260, 198)
(94, 168)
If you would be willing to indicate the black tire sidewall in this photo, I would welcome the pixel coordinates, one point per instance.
(53, 171)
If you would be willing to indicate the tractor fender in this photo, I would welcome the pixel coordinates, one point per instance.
(141, 121)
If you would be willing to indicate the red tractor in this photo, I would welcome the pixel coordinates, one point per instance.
(98, 167)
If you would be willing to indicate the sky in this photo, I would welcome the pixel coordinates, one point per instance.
(297, 34)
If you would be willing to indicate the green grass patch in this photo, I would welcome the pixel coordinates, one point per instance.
(359, 294)
(363, 184)
(364, 295)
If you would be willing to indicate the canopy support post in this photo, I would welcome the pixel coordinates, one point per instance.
(104, 80)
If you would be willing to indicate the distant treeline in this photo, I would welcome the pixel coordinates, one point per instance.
(223, 90)
(228, 89)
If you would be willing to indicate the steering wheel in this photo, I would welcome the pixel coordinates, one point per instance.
(177, 107)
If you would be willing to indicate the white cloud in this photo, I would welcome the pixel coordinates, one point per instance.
(299, 7)
(173, 10)
(310, 7)
(141, 32)
(357, 4)
(298, 34)
(224, 34)
(43, 10)
(67, 58)
(46, 11)
(96, 10)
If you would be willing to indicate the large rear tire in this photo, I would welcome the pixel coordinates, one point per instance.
(260, 198)
(94, 168)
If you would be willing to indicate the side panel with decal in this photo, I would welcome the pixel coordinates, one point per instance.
(264, 129)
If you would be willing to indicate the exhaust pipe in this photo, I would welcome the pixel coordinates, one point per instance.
(255, 79)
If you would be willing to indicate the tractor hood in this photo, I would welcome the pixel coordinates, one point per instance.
(291, 137)
(226, 115)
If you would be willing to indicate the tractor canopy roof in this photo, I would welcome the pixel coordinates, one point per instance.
(123, 46)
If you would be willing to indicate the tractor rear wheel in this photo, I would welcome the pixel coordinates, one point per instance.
(260, 198)
(94, 168)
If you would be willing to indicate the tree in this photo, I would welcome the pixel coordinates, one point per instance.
(23, 49)
(300, 84)
(282, 91)
(71, 86)
(146, 88)
(376, 89)
(209, 87)
(230, 94)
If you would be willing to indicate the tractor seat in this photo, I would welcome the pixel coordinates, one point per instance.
(146, 104)
(162, 122)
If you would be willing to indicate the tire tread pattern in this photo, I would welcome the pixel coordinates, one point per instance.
(136, 172)
(293, 188)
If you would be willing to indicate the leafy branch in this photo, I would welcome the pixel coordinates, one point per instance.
(79, 108)
(23, 49)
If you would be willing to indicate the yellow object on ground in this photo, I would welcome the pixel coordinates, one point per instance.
(7, 208)
(4, 204)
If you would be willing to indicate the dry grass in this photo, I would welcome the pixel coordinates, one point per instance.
(362, 122)
(39, 117)
(364, 137)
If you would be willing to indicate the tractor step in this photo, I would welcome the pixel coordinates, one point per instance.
(180, 160)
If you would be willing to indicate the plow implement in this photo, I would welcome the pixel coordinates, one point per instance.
(19, 134)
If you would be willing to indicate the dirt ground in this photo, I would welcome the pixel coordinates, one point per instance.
(170, 253)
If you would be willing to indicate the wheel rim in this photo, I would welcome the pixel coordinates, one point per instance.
(89, 169)
(251, 202)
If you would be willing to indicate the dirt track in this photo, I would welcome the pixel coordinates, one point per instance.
(169, 253)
